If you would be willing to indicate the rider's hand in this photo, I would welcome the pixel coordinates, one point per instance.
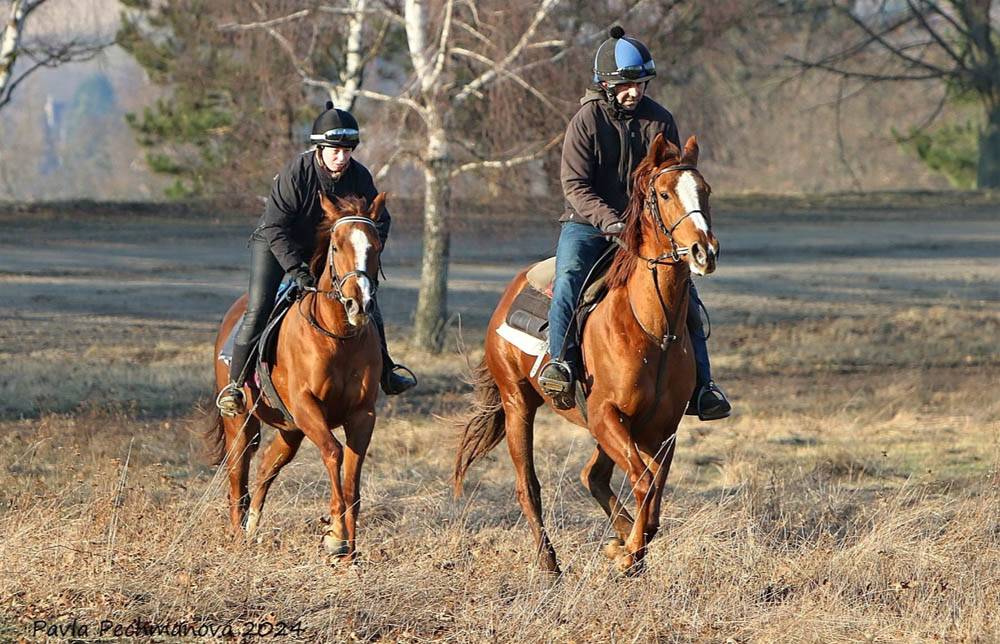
(303, 278)
(614, 228)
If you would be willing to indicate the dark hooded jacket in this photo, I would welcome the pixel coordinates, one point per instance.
(603, 145)
(293, 209)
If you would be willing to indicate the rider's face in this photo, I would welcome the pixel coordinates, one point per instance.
(629, 94)
(336, 159)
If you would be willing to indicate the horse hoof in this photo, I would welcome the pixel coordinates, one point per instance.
(613, 548)
(629, 566)
(336, 547)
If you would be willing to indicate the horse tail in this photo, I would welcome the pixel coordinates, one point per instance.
(214, 436)
(484, 427)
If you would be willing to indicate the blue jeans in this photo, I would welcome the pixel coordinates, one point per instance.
(579, 248)
(696, 330)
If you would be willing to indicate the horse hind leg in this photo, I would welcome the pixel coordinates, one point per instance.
(520, 418)
(596, 477)
(241, 434)
(277, 454)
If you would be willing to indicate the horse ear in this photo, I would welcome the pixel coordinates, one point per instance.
(658, 150)
(378, 205)
(329, 207)
(690, 155)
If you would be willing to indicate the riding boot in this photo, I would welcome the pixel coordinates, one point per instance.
(708, 402)
(392, 381)
(230, 400)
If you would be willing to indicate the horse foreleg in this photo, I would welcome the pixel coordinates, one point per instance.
(279, 452)
(615, 438)
(358, 430)
(520, 419)
(239, 451)
(596, 477)
(661, 467)
(312, 421)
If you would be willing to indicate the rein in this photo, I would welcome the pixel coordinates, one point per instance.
(338, 283)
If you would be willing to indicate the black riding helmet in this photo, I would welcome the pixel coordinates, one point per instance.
(621, 59)
(335, 128)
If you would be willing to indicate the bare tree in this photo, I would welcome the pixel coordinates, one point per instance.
(954, 41)
(40, 53)
(458, 52)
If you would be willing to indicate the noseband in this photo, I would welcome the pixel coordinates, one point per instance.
(337, 283)
(653, 205)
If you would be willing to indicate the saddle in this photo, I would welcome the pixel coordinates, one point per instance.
(529, 312)
(265, 348)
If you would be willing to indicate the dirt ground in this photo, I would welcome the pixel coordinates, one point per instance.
(858, 338)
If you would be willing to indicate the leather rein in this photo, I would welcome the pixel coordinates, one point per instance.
(338, 284)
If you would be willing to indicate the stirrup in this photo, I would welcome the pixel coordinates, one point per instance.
(722, 408)
(553, 386)
(230, 401)
(559, 389)
(396, 383)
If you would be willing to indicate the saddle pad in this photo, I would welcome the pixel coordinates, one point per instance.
(542, 274)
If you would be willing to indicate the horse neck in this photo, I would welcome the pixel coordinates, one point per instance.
(649, 297)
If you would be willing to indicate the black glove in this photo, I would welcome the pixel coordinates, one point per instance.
(614, 228)
(303, 278)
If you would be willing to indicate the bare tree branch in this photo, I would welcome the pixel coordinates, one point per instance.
(959, 60)
(543, 10)
(264, 24)
(507, 163)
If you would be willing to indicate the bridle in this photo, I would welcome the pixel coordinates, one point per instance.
(653, 206)
(337, 292)
(672, 257)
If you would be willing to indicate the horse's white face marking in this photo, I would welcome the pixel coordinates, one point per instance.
(687, 192)
(361, 250)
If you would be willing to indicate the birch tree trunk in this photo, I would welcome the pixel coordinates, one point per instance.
(10, 40)
(432, 304)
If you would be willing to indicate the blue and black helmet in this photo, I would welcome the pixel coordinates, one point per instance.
(621, 59)
(335, 128)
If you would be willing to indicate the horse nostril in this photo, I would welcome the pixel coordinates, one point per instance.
(699, 253)
(352, 307)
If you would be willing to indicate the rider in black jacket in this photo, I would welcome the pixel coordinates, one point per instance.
(285, 239)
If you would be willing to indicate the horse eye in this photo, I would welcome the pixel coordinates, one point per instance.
(665, 195)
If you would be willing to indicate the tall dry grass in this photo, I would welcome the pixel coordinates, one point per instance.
(852, 517)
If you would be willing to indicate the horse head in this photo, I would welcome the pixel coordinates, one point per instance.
(347, 254)
(675, 220)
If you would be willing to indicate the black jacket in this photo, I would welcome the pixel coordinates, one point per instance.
(601, 149)
(293, 209)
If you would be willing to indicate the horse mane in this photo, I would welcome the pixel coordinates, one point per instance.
(625, 259)
(352, 206)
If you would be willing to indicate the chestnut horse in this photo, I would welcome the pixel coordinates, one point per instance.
(326, 371)
(640, 370)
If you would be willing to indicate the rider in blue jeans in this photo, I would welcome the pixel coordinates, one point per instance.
(605, 141)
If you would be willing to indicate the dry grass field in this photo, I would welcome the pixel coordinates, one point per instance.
(854, 495)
